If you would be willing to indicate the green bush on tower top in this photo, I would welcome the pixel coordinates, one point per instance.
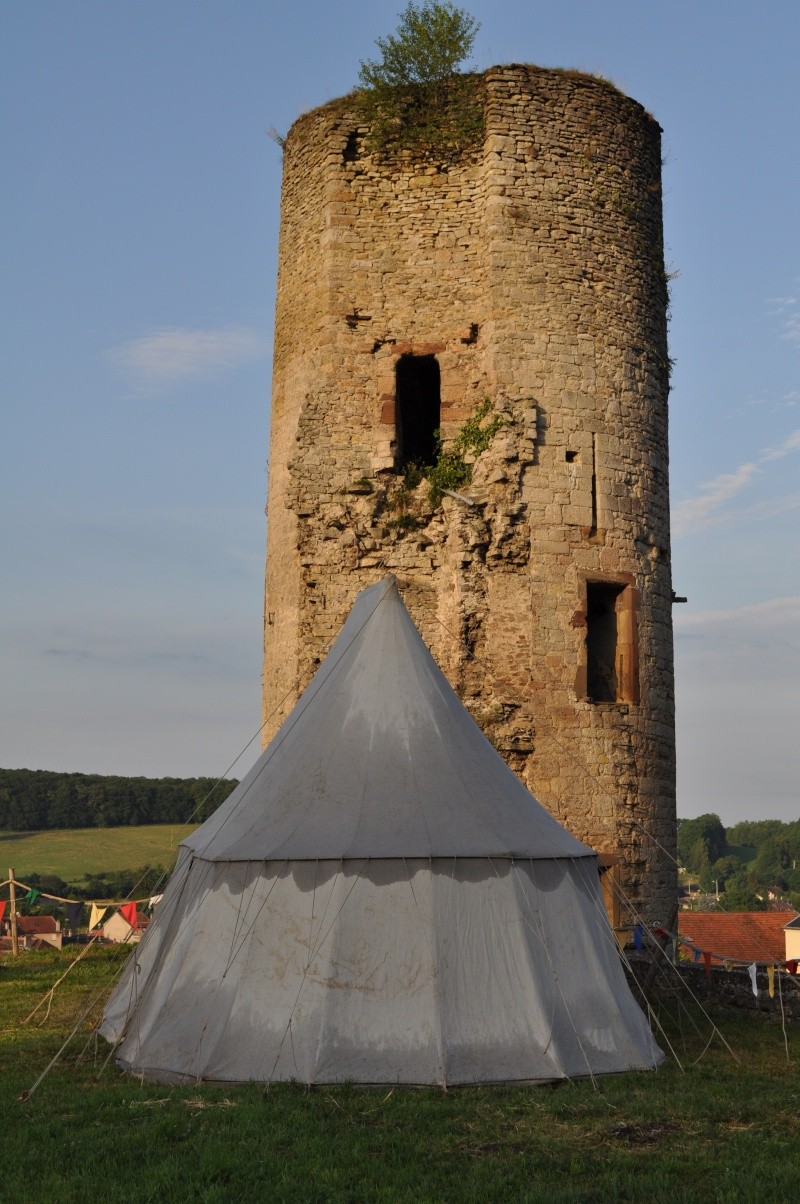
(432, 40)
(413, 98)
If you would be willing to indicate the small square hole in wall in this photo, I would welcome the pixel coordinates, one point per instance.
(572, 457)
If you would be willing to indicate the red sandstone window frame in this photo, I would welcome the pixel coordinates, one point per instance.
(624, 687)
(611, 884)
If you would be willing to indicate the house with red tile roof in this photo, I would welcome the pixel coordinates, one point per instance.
(33, 932)
(737, 936)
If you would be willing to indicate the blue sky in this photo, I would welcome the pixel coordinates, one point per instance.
(139, 256)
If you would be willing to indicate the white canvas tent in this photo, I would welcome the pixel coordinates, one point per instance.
(380, 900)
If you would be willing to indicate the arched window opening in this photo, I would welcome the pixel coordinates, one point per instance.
(417, 409)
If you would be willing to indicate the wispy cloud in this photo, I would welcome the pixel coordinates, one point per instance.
(174, 356)
(784, 401)
(756, 643)
(139, 658)
(80, 654)
(774, 614)
(790, 443)
(791, 329)
(782, 304)
(760, 511)
(787, 310)
(694, 513)
(703, 511)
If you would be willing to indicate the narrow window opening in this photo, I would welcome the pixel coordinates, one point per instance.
(350, 152)
(604, 673)
(571, 457)
(593, 529)
(417, 410)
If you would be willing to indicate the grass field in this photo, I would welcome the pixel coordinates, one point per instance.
(74, 852)
(717, 1131)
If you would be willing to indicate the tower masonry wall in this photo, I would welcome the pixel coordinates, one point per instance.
(531, 268)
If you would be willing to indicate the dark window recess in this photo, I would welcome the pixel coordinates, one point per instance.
(417, 409)
(351, 148)
(571, 457)
(605, 675)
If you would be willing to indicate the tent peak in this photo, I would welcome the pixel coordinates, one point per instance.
(380, 759)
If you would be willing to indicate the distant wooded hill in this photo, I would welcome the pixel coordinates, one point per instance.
(747, 861)
(36, 799)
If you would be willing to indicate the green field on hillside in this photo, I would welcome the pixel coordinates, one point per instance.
(717, 1130)
(72, 853)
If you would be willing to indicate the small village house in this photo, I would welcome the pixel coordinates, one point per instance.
(742, 936)
(118, 930)
(33, 932)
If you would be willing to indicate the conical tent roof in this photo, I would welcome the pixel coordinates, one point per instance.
(379, 758)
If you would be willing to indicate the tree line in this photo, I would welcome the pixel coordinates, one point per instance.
(110, 884)
(743, 861)
(35, 800)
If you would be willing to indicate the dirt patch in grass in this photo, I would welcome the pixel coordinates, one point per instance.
(493, 1149)
(643, 1134)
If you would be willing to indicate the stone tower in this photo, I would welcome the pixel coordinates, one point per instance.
(524, 282)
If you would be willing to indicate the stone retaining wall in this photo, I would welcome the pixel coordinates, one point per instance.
(726, 988)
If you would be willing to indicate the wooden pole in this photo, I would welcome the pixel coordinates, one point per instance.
(12, 890)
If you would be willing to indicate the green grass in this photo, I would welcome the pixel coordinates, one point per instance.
(720, 1131)
(72, 853)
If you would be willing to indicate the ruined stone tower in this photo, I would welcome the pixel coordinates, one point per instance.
(528, 272)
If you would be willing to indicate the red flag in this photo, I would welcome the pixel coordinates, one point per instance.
(707, 963)
(2, 908)
(128, 912)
